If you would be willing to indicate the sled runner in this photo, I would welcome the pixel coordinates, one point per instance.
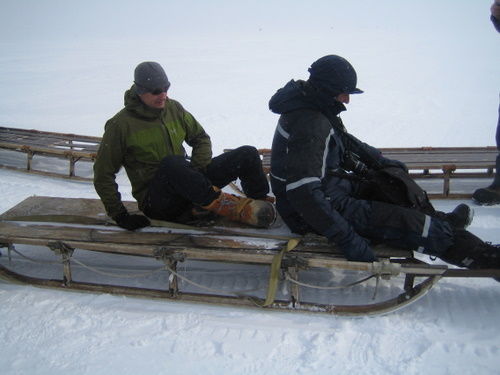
(298, 274)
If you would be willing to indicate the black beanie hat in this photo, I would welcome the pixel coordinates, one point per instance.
(334, 74)
(149, 76)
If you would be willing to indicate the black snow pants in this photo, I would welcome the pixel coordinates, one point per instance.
(177, 186)
(387, 223)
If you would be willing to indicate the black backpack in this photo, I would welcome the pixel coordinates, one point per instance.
(394, 185)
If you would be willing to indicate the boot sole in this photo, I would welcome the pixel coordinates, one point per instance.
(485, 203)
(266, 215)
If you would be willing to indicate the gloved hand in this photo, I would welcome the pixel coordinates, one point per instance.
(354, 247)
(385, 163)
(360, 253)
(131, 222)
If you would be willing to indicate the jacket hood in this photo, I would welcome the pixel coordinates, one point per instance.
(302, 95)
(135, 105)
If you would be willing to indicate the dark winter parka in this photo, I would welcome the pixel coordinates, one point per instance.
(309, 142)
(138, 138)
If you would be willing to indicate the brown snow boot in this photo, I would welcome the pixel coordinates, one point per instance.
(257, 213)
(471, 252)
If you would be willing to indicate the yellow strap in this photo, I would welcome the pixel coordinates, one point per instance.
(275, 268)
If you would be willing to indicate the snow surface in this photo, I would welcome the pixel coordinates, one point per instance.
(430, 74)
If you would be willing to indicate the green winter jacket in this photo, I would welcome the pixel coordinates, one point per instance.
(138, 138)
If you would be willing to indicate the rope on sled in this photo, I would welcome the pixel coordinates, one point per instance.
(239, 293)
(33, 259)
(93, 269)
(124, 275)
(136, 275)
(290, 279)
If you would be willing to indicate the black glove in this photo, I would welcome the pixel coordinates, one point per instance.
(359, 251)
(131, 222)
(385, 163)
(354, 247)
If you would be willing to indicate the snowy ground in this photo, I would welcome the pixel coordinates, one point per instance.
(430, 73)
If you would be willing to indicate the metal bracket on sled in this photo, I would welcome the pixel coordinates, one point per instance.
(385, 269)
(170, 258)
(66, 252)
(291, 264)
(293, 261)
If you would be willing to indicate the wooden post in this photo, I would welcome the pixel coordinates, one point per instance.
(170, 258)
(66, 252)
(10, 247)
(72, 161)
(447, 172)
(29, 158)
(294, 288)
(173, 282)
(291, 265)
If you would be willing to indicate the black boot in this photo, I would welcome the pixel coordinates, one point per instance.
(461, 217)
(487, 196)
(471, 252)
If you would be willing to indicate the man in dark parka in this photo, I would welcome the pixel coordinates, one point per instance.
(315, 191)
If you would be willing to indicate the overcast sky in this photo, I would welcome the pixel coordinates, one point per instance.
(45, 19)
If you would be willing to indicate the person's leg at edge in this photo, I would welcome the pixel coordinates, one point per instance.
(175, 188)
(243, 163)
(408, 228)
(491, 194)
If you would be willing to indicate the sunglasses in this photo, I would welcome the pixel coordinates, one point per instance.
(156, 91)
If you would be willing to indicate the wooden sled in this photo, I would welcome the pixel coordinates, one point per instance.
(70, 227)
(71, 147)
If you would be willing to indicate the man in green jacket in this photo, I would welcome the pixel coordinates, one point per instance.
(146, 137)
